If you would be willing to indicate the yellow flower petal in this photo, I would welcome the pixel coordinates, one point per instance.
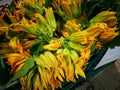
(52, 46)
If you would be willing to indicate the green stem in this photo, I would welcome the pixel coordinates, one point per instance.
(2, 62)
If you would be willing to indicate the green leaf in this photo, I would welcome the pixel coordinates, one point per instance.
(29, 64)
(48, 3)
(47, 38)
(65, 44)
(36, 48)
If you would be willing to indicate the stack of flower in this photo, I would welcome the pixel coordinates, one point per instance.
(48, 44)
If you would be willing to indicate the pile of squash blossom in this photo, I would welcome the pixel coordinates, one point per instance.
(47, 44)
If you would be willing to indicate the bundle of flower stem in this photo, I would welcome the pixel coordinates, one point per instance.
(47, 45)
